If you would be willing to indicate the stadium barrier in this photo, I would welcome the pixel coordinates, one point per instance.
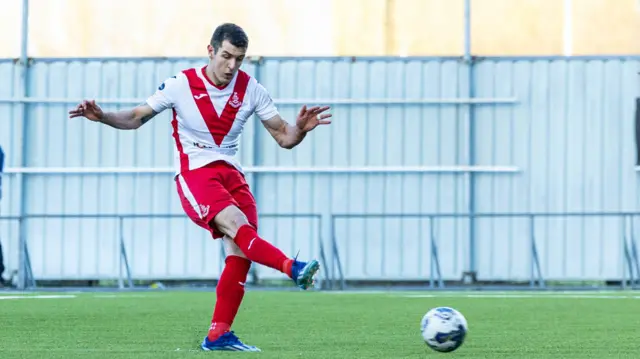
(536, 280)
(286, 102)
(25, 274)
(334, 277)
(125, 278)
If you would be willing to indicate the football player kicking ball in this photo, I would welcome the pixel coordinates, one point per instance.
(210, 107)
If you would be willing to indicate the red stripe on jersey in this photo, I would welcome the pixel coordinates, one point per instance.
(184, 159)
(219, 126)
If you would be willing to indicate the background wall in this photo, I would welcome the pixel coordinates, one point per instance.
(570, 135)
(560, 140)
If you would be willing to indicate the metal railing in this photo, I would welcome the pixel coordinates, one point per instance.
(287, 102)
(27, 280)
(334, 276)
(536, 280)
(24, 172)
(272, 170)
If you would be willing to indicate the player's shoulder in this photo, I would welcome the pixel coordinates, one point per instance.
(252, 80)
(246, 75)
(253, 85)
(174, 81)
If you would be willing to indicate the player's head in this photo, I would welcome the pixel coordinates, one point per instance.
(227, 50)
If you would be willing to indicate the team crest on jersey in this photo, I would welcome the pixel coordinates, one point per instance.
(235, 101)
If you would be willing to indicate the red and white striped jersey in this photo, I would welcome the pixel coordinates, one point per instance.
(208, 120)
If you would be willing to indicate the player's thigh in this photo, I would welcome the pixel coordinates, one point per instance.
(242, 195)
(229, 220)
(244, 211)
(231, 248)
(203, 197)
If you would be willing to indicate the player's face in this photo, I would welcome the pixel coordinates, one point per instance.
(227, 61)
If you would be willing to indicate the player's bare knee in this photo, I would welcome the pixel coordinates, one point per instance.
(229, 220)
(231, 248)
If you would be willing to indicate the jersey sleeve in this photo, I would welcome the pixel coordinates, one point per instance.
(265, 107)
(165, 96)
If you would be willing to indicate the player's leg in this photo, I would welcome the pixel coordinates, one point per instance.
(230, 289)
(241, 222)
(229, 294)
(233, 223)
(201, 195)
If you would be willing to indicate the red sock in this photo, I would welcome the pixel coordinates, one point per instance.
(260, 251)
(229, 293)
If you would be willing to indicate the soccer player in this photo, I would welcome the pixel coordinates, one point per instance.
(210, 107)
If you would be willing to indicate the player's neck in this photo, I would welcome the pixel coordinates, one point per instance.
(212, 76)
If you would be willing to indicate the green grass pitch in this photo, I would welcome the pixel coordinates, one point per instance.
(171, 324)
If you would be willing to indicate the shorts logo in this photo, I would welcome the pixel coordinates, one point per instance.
(204, 211)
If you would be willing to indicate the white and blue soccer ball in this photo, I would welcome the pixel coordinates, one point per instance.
(444, 329)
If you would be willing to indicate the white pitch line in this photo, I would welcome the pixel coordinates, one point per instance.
(497, 294)
(120, 296)
(519, 296)
(481, 292)
(364, 293)
(13, 297)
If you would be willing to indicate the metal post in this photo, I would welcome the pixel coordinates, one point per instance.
(123, 253)
(24, 80)
(431, 262)
(332, 270)
(326, 281)
(335, 260)
(532, 241)
(634, 254)
(31, 280)
(535, 260)
(627, 261)
(323, 234)
(626, 254)
(22, 257)
(26, 279)
(472, 134)
(256, 159)
(120, 257)
(435, 260)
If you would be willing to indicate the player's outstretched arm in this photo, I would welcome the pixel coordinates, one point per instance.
(289, 136)
(123, 120)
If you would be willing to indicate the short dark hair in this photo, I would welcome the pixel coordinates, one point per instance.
(230, 32)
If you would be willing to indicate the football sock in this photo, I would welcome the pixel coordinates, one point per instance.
(229, 294)
(260, 251)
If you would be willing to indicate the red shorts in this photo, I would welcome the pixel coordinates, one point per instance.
(206, 191)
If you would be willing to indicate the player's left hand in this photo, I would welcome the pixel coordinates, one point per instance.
(310, 118)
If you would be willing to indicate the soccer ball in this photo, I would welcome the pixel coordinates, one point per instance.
(443, 329)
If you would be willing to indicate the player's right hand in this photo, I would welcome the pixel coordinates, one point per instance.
(87, 109)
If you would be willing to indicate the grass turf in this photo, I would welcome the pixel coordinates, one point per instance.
(319, 325)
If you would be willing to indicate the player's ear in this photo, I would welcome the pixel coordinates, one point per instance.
(211, 51)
